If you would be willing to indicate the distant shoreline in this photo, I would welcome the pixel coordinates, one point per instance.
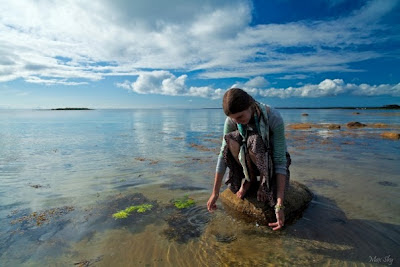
(71, 109)
(386, 107)
(358, 108)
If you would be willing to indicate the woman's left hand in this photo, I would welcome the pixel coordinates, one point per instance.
(280, 220)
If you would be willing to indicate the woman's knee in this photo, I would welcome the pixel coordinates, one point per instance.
(252, 157)
(233, 146)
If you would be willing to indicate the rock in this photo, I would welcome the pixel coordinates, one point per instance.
(390, 135)
(333, 126)
(355, 124)
(304, 114)
(378, 125)
(300, 126)
(249, 209)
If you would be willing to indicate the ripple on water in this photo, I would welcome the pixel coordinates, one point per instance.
(387, 183)
(187, 224)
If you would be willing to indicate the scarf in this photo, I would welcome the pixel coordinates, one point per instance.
(262, 127)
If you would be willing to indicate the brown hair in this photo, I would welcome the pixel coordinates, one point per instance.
(236, 100)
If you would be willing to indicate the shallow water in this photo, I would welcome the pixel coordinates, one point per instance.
(64, 173)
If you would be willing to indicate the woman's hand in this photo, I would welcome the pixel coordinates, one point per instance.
(280, 221)
(211, 204)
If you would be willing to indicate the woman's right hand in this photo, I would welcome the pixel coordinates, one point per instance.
(211, 204)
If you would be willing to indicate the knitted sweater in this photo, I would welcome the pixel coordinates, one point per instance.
(277, 140)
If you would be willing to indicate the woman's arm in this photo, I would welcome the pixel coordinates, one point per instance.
(211, 204)
(280, 190)
(279, 159)
(278, 140)
(229, 126)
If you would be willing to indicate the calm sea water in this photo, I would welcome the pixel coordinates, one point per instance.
(64, 173)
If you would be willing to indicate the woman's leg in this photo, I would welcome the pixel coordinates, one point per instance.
(234, 148)
(261, 194)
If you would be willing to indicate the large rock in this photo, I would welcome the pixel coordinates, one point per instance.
(249, 209)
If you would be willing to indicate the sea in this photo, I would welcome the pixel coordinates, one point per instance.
(65, 174)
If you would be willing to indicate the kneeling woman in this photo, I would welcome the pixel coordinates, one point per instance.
(254, 149)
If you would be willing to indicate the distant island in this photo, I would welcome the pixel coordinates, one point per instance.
(71, 109)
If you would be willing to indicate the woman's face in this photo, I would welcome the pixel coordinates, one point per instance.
(242, 117)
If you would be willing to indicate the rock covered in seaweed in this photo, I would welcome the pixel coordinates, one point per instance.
(297, 197)
(355, 124)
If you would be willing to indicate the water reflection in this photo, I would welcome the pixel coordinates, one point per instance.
(101, 161)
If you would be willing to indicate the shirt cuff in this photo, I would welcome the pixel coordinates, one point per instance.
(281, 169)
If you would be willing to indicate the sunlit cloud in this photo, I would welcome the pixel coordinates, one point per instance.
(329, 88)
(166, 83)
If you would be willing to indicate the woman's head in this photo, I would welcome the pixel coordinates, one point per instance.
(237, 104)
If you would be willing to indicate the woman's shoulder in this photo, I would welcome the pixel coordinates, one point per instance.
(269, 109)
(230, 123)
(273, 114)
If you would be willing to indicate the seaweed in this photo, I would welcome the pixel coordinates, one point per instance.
(123, 214)
(184, 202)
(120, 215)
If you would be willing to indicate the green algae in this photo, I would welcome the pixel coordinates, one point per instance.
(120, 215)
(184, 202)
(123, 214)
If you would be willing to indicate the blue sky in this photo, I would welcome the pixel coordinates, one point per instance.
(186, 54)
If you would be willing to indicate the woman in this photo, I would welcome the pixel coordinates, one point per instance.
(254, 149)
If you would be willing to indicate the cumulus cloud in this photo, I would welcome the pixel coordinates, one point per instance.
(96, 39)
(166, 83)
(253, 85)
(333, 87)
(159, 82)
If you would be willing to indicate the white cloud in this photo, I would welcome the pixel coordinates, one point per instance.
(333, 87)
(253, 85)
(294, 77)
(159, 82)
(257, 82)
(126, 85)
(165, 83)
(120, 38)
(34, 79)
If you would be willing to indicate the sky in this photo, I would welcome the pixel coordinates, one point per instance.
(187, 53)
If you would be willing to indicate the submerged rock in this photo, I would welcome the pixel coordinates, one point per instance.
(379, 125)
(355, 124)
(296, 200)
(333, 126)
(387, 183)
(186, 224)
(300, 126)
(390, 135)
